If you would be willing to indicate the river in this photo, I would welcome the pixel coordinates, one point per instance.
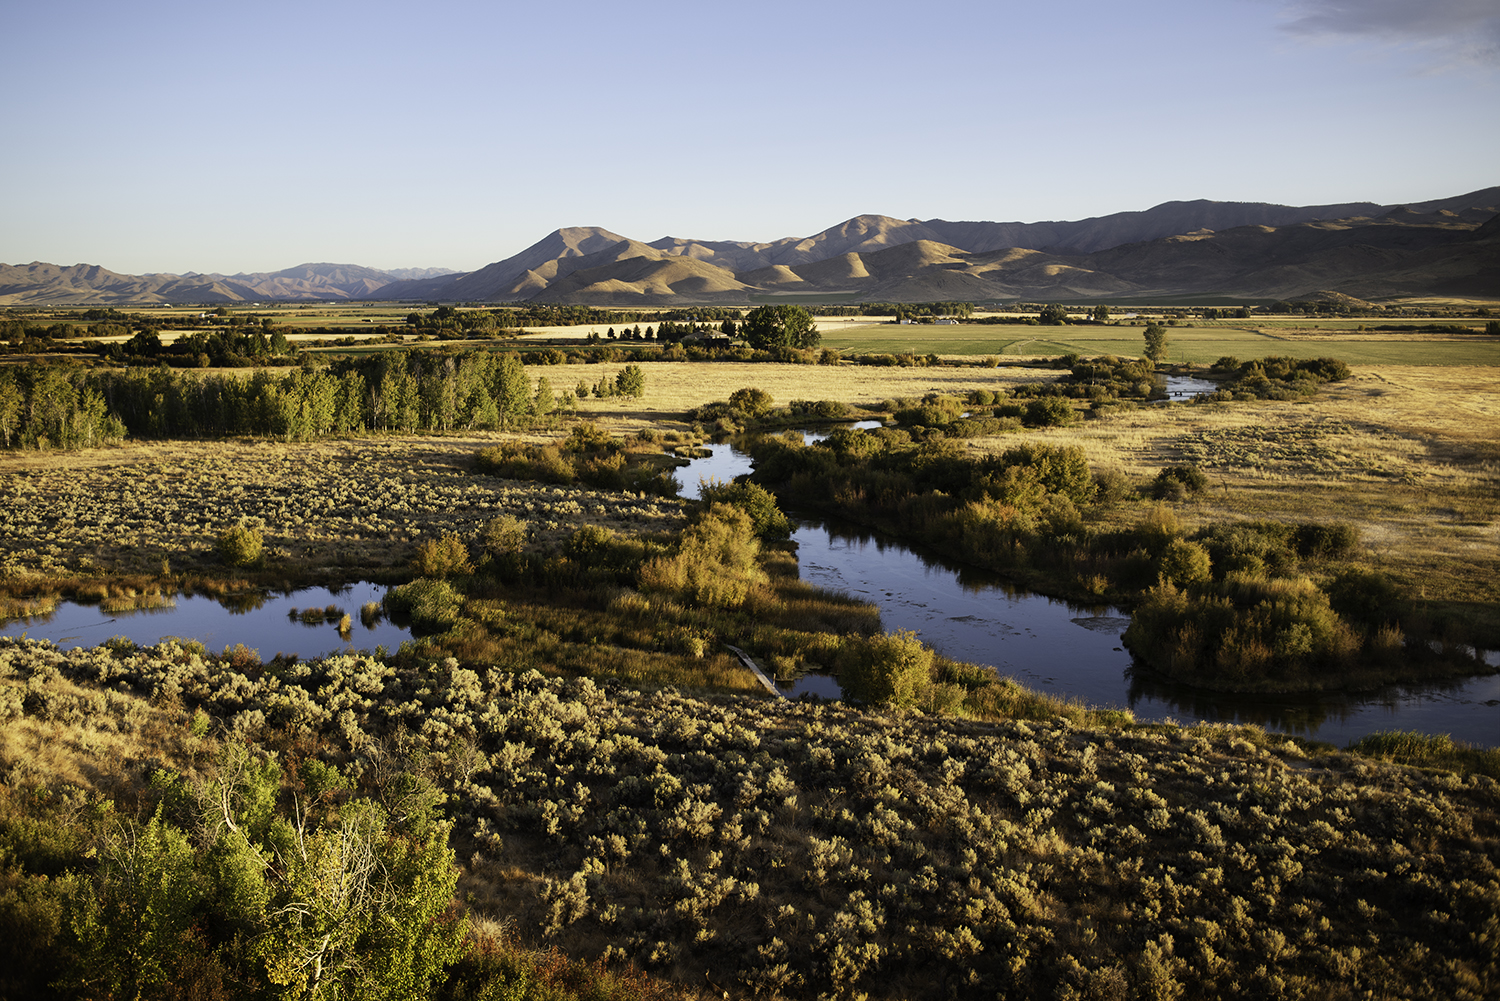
(1075, 651)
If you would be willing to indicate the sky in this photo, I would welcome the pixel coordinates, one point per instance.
(206, 136)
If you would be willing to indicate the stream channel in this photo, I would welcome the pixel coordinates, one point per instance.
(1074, 651)
(968, 614)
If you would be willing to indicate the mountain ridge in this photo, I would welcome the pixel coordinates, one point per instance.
(1250, 249)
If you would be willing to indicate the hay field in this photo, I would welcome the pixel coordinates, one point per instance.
(1198, 345)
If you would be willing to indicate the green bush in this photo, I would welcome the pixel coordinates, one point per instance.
(241, 545)
(751, 402)
(504, 535)
(824, 409)
(756, 501)
(1183, 563)
(1365, 596)
(890, 670)
(1326, 541)
(1179, 482)
(447, 556)
(1049, 411)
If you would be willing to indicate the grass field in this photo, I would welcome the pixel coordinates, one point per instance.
(1197, 345)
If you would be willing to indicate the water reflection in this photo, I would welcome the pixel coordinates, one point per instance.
(1185, 387)
(1074, 651)
(267, 623)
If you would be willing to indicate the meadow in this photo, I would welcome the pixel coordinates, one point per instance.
(1199, 344)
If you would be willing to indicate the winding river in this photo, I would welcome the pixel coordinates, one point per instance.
(1075, 651)
(1054, 646)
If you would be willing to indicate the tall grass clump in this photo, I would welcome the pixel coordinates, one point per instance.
(432, 605)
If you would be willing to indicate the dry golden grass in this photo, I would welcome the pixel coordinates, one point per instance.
(1409, 455)
(674, 387)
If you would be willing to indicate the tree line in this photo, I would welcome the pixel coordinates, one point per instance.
(405, 391)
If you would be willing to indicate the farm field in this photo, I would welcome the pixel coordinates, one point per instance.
(1199, 344)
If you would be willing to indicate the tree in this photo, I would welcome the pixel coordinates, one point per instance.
(512, 392)
(631, 381)
(1156, 342)
(1053, 314)
(781, 326)
(1101, 313)
(544, 402)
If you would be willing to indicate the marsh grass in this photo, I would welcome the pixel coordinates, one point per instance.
(1439, 751)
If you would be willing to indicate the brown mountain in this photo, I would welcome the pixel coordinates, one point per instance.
(1401, 253)
(948, 260)
(1237, 249)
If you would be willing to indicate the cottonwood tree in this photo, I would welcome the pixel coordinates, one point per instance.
(1156, 342)
(782, 326)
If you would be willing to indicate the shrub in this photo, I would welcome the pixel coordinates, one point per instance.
(444, 557)
(1049, 411)
(751, 401)
(1326, 541)
(890, 670)
(1365, 596)
(826, 409)
(504, 535)
(1183, 563)
(241, 545)
(433, 605)
(1179, 482)
(756, 501)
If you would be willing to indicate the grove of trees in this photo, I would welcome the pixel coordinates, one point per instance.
(401, 391)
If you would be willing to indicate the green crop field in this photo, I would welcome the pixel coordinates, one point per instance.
(1199, 345)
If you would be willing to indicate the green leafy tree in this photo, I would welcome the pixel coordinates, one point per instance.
(630, 381)
(129, 924)
(1101, 314)
(1053, 314)
(780, 326)
(360, 912)
(512, 393)
(1156, 342)
(544, 402)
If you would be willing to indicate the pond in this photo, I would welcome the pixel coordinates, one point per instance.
(1185, 387)
(1075, 651)
(304, 622)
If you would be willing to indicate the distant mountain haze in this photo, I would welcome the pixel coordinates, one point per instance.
(1447, 246)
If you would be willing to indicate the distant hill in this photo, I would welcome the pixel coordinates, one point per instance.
(1240, 249)
(37, 284)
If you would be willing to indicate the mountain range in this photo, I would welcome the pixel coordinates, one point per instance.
(1249, 250)
(39, 284)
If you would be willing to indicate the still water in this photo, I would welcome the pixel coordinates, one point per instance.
(1074, 650)
(264, 623)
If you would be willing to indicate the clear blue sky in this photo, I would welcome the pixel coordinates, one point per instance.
(209, 136)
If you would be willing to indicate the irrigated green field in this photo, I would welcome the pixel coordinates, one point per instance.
(1196, 344)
